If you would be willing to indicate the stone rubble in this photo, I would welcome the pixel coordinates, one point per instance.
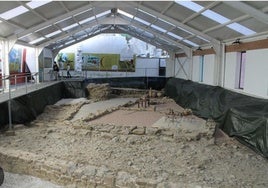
(99, 91)
(82, 154)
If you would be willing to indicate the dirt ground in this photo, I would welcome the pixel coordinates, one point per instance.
(134, 147)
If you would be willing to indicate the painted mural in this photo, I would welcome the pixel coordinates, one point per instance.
(15, 59)
(106, 62)
(64, 58)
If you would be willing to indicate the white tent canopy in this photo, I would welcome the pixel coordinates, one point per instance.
(170, 25)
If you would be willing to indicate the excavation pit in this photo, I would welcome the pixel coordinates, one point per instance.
(114, 143)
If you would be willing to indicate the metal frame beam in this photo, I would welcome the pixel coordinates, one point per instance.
(171, 20)
(255, 13)
(52, 21)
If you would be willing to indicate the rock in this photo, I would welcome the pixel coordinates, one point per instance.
(151, 131)
(50, 131)
(115, 139)
(235, 147)
(138, 131)
(167, 132)
(107, 136)
(44, 136)
(73, 140)
(148, 183)
(132, 140)
(90, 171)
(10, 133)
(102, 171)
(109, 181)
(167, 139)
(193, 136)
(125, 179)
(99, 91)
(211, 142)
(181, 173)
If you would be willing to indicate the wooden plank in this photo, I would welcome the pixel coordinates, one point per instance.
(254, 45)
(260, 44)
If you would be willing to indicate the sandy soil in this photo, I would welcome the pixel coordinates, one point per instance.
(166, 161)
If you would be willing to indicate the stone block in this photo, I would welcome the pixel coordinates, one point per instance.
(138, 131)
(109, 181)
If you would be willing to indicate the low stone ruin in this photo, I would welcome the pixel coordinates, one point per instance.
(99, 91)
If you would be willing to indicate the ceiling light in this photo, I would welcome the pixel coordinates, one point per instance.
(37, 40)
(70, 27)
(146, 13)
(102, 14)
(175, 36)
(158, 28)
(14, 12)
(142, 21)
(63, 20)
(25, 35)
(236, 42)
(190, 42)
(83, 12)
(87, 20)
(69, 42)
(125, 13)
(36, 4)
(42, 28)
(53, 33)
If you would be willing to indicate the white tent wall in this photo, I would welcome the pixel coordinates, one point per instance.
(209, 69)
(256, 72)
(170, 66)
(150, 66)
(196, 69)
(31, 59)
(230, 70)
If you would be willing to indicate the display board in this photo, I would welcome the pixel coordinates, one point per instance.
(106, 62)
(64, 58)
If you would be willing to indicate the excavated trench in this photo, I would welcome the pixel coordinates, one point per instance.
(118, 143)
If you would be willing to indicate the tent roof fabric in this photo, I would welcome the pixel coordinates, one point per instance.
(170, 25)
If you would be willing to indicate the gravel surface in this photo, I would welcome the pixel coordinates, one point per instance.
(23, 181)
(185, 159)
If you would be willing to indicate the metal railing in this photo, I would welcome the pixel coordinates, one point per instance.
(22, 80)
(139, 72)
(9, 83)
